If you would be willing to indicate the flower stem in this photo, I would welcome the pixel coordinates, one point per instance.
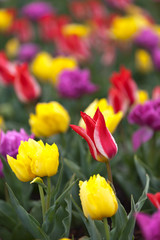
(41, 192)
(106, 228)
(48, 193)
(109, 172)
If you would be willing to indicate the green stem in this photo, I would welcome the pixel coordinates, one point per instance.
(48, 193)
(41, 192)
(109, 172)
(152, 151)
(106, 228)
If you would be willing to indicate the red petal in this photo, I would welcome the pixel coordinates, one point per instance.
(95, 117)
(103, 139)
(90, 125)
(82, 132)
(154, 199)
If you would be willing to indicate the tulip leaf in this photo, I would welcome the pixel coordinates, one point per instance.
(129, 228)
(67, 220)
(28, 221)
(7, 216)
(74, 168)
(140, 169)
(48, 222)
(119, 221)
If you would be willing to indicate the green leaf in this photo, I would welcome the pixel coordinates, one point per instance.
(74, 168)
(127, 233)
(48, 222)
(119, 221)
(67, 220)
(29, 222)
(7, 215)
(20, 233)
(140, 170)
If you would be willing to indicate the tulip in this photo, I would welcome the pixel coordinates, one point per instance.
(142, 97)
(101, 143)
(25, 85)
(6, 18)
(34, 159)
(112, 119)
(97, 198)
(50, 118)
(76, 29)
(155, 199)
(156, 92)
(7, 70)
(143, 61)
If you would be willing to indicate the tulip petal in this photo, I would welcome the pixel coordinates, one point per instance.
(142, 135)
(154, 199)
(104, 141)
(90, 125)
(83, 134)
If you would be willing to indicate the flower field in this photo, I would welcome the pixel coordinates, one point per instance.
(80, 120)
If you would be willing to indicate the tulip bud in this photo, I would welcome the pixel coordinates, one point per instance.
(97, 198)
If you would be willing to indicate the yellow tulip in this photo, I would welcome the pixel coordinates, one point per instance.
(41, 66)
(50, 118)
(34, 159)
(142, 96)
(97, 198)
(143, 61)
(6, 19)
(76, 29)
(12, 47)
(111, 119)
(59, 64)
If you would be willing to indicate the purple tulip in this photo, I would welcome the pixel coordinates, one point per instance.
(149, 225)
(9, 143)
(27, 52)
(156, 58)
(75, 83)
(147, 39)
(147, 116)
(36, 10)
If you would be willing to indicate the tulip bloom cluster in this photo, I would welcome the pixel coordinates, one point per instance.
(18, 75)
(34, 159)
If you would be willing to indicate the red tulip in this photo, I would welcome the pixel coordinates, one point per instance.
(25, 85)
(125, 84)
(118, 100)
(7, 70)
(100, 141)
(156, 92)
(155, 199)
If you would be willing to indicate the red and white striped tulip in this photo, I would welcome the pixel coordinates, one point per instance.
(100, 141)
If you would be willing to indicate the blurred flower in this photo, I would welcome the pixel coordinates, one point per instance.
(59, 64)
(149, 225)
(156, 92)
(126, 88)
(25, 85)
(156, 58)
(120, 4)
(143, 61)
(41, 65)
(50, 118)
(147, 38)
(10, 141)
(75, 83)
(12, 47)
(27, 51)
(76, 29)
(111, 119)
(22, 29)
(147, 117)
(97, 198)
(124, 28)
(1, 122)
(34, 159)
(154, 199)
(74, 46)
(7, 70)
(6, 18)
(142, 97)
(36, 10)
(100, 141)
